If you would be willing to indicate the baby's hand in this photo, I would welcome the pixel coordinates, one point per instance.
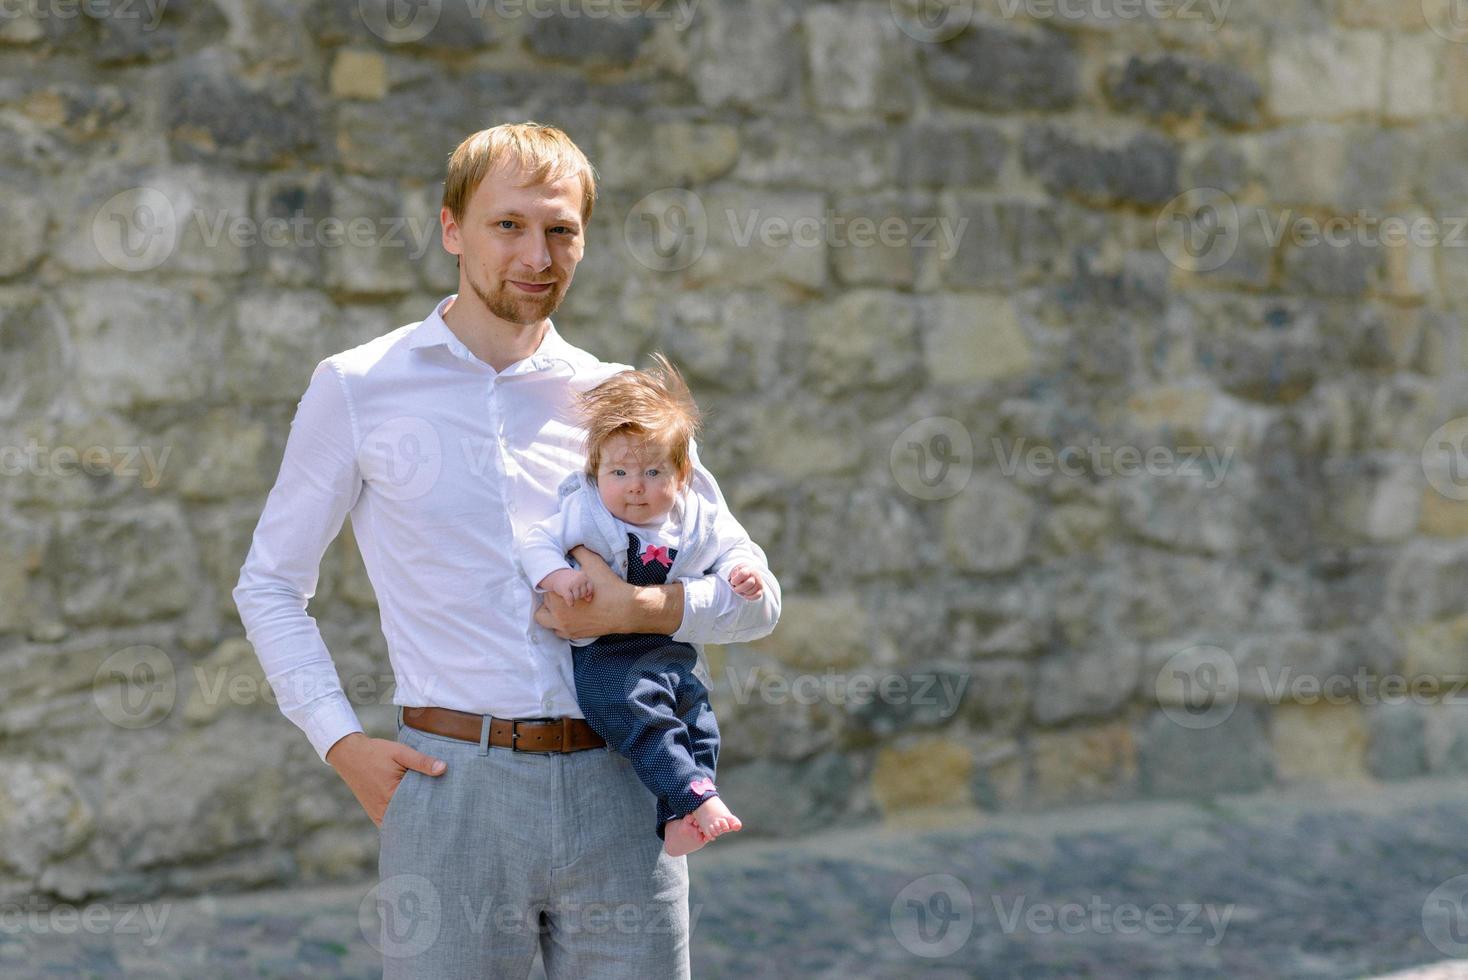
(746, 582)
(568, 583)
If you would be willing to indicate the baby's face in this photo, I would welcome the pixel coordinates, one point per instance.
(637, 481)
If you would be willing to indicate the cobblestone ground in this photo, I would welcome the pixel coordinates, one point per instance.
(1301, 884)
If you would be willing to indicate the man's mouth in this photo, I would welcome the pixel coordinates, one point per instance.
(532, 287)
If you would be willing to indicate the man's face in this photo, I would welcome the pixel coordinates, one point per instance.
(518, 246)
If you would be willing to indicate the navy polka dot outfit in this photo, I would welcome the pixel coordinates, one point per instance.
(637, 690)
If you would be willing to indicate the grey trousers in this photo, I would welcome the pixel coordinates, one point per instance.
(507, 851)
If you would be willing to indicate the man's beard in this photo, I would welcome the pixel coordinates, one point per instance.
(522, 308)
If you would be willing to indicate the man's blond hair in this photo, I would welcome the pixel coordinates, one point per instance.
(545, 153)
(653, 406)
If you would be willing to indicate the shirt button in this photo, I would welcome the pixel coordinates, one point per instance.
(504, 443)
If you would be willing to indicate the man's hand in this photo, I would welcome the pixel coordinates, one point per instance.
(373, 767)
(610, 609)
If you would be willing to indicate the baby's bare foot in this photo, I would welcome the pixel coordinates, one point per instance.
(682, 836)
(714, 818)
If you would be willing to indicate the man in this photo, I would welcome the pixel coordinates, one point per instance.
(505, 821)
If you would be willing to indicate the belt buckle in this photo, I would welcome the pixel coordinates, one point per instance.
(514, 735)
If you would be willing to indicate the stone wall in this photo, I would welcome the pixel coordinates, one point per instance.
(1059, 354)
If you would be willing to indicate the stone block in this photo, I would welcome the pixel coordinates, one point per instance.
(987, 526)
(973, 338)
(1326, 75)
(1318, 742)
(925, 773)
(1084, 764)
(1003, 70)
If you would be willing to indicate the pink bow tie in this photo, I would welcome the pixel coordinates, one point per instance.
(656, 553)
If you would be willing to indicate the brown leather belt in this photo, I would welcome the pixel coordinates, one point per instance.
(565, 734)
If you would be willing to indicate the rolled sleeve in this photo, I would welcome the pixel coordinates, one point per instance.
(714, 613)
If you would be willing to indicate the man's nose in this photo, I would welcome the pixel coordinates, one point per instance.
(534, 254)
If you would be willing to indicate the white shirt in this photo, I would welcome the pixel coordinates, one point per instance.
(442, 462)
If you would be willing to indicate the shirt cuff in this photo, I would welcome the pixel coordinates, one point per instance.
(331, 722)
(537, 568)
(699, 596)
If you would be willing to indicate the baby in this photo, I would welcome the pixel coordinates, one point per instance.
(642, 506)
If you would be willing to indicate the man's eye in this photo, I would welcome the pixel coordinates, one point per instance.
(505, 223)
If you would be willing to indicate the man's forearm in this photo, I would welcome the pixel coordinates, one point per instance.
(657, 609)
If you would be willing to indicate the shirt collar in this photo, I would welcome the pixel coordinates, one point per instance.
(435, 332)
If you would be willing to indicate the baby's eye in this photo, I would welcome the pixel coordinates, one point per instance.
(619, 472)
(653, 472)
